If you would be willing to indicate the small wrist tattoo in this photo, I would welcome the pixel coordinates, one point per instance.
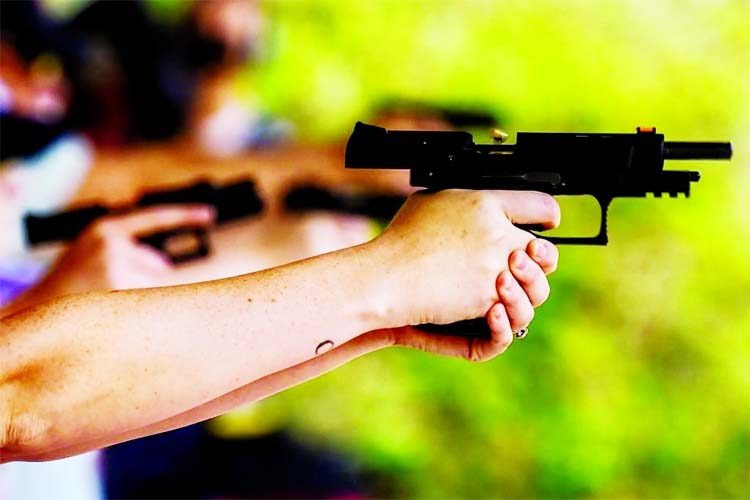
(323, 347)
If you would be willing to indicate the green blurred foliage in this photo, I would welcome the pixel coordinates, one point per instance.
(634, 381)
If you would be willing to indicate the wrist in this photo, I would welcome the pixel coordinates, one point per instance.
(385, 305)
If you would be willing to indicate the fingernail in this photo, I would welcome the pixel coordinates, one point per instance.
(540, 249)
(506, 281)
(520, 260)
(498, 312)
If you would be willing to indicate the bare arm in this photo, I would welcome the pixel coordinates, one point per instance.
(504, 318)
(90, 369)
(103, 363)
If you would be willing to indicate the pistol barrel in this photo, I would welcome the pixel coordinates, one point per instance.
(697, 150)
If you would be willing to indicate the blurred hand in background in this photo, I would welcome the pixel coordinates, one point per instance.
(109, 256)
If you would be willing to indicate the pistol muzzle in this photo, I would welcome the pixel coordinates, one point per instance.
(697, 150)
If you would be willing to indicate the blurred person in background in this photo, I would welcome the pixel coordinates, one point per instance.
(111, 75)
(116, 72)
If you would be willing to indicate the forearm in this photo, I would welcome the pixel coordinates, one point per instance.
(254, 391)
(99, 365)
(84, 370)
(39, 293)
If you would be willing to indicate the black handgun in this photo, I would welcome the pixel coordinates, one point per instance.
(604, 166)
(231, 201)
(376, 205)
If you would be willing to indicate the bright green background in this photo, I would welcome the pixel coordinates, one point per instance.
(634, 381)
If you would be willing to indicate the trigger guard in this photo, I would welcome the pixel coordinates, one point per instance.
(159, 241)
(600, 239)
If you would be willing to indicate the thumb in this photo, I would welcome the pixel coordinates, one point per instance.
(165, 217)
(531, 207)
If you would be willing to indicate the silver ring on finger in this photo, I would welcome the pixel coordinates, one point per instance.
(519, 334)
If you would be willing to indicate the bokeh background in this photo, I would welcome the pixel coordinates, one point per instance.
(634, 380)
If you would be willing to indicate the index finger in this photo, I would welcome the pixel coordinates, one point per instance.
(165, 217)
(531, 207)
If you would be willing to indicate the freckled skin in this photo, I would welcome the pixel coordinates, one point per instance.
(82, 372)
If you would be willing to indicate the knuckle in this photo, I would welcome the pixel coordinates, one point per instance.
(541, 295)
(503, 342)
(531, 313)
(511, 291)
(484, 202)
(104, 228)
(481, 352)
(551, 268)
(554, 251)
(524, 268)
(476, 354)
(554, 257)
(523, 317)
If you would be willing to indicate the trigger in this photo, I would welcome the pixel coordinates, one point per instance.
(532, 228)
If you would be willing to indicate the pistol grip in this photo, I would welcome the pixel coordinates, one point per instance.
(469, 328)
